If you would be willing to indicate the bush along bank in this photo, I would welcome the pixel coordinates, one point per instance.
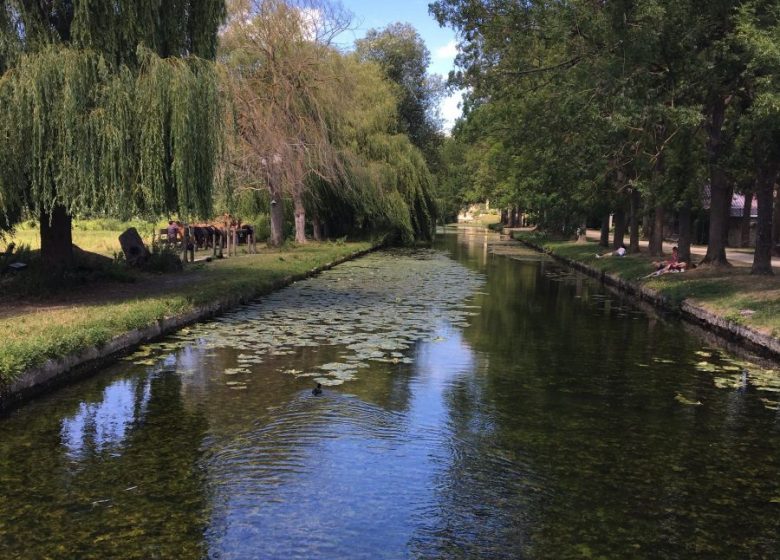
(731, 302)
(50, 344)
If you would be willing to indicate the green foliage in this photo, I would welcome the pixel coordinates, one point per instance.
(164, 258)
(403, 57)
(582, 103)
(108, 112)
(108, 143)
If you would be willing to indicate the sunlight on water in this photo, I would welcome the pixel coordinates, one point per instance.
(481, 402)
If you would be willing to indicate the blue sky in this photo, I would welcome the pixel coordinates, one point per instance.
(441, 41)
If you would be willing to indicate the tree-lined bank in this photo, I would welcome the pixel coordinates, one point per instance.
(654, 112)
(196, 108)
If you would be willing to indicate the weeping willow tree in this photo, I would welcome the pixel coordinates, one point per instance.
(108, 107)
(317, 127)
(387, 187)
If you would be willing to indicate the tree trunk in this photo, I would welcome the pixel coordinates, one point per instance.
(656, 246)
(776, 226)
(727, 214)
(316, 226)
(277, 219)
(504, 217)
(185, 243)
(762, 257)
(646, 227)
(56, 239)
(720, 202)
(684, 242)
(746, 211)
(604, 237)
(633, 236)
(300, 218)
(620, 229)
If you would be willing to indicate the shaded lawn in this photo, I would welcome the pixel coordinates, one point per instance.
(731, 293)
(95, 236)
(35, 331)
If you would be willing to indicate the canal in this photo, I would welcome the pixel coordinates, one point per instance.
(479, 401)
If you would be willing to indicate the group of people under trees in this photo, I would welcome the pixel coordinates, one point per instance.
(230, 230)
(673, 264)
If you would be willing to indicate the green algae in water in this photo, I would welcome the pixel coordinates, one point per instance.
(538, 448)
(376, 307)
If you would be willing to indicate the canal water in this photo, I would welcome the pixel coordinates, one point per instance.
(479, 401)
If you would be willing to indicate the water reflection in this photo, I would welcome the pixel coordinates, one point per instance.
(104, 424)
(106, 469)
(548, 427)
(338, 473)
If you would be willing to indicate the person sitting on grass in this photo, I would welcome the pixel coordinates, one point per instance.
(674, 264)
(619, 252)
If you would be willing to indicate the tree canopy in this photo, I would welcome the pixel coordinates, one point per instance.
(403, 57)
(320, 127)
(640, 109)
(109, 108)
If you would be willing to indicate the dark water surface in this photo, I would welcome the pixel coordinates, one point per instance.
(491, 405)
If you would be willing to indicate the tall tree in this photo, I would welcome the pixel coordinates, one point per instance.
(108, 107)
(403, 57)
(284, 88)
(757, 34)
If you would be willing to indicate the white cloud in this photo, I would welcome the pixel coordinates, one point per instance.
(446, 52)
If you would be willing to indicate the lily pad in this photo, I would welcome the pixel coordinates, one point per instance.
(377, 308)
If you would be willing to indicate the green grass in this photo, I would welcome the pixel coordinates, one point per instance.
(731, 293)
(73, 322)
(95, 236)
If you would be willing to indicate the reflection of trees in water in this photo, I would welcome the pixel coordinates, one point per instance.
(116, 478)
(104, 424)
(583, 395)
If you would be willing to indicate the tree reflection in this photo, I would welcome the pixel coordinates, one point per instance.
(580, 388)
(124, 480)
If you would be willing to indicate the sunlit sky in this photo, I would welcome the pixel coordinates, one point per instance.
(441, 41)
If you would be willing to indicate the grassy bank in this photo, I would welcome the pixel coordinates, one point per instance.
(35, 331)
(95, 236)
(734, 294)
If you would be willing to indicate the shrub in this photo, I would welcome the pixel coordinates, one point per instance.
(164, 259)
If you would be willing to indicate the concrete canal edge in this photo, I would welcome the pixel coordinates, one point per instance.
(745, 336)
(58, 372)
